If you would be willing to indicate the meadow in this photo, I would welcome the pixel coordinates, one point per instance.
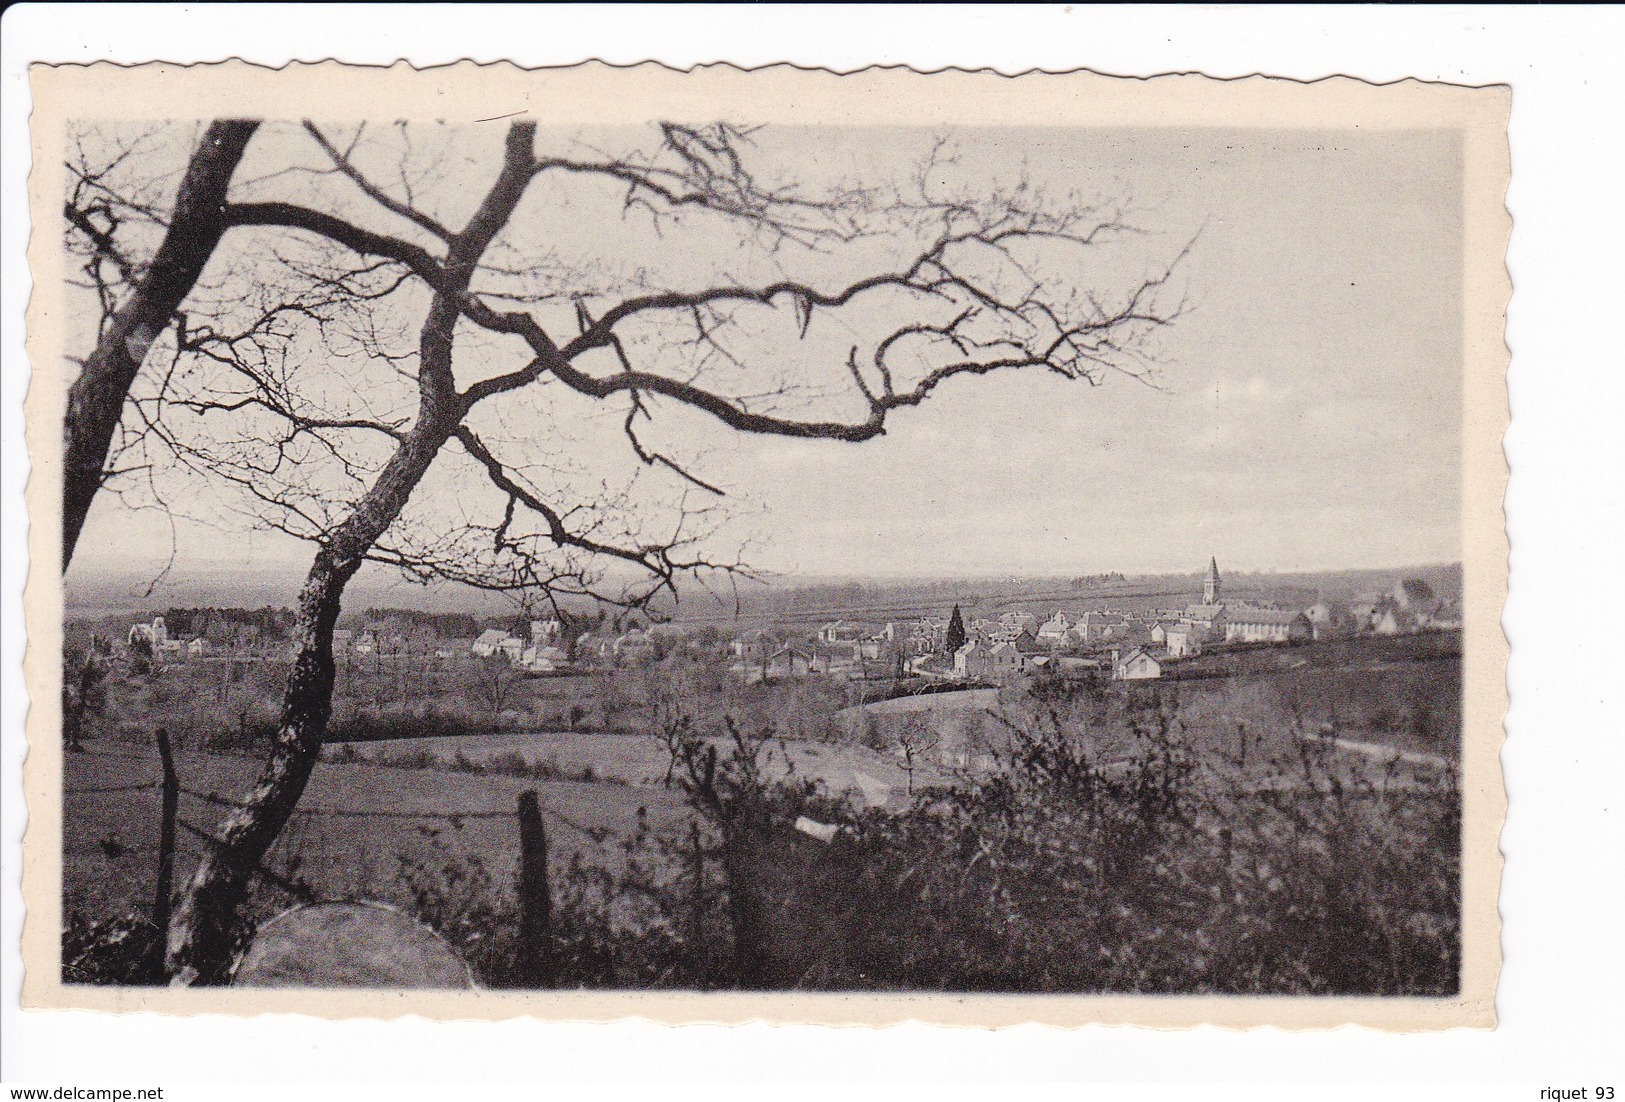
(1288, 825)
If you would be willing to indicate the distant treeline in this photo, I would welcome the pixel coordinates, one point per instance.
(1097, 579)
(410, 621)
(226, 624)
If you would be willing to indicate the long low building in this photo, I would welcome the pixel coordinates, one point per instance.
(1265, 625)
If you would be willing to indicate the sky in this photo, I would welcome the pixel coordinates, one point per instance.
(1305, 411)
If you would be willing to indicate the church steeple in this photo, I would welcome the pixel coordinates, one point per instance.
(1210, 591)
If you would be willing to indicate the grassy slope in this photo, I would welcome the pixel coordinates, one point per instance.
(336, 855)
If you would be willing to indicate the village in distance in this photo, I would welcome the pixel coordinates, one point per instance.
(862, 699)
(1107, 626)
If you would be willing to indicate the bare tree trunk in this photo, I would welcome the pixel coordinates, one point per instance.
(96, 399)
(204, 927)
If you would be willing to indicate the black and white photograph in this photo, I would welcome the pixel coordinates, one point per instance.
(720, 546)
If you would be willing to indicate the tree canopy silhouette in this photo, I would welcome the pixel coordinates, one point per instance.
(380, 339)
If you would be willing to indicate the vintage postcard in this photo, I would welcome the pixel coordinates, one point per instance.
(729, 545)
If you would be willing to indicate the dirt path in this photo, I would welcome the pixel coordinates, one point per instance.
(1381, 752)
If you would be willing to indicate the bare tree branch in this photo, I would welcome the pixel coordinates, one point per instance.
(96, 398)
(372, 191)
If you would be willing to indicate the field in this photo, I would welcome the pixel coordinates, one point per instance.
(1257, 816)
(634, 759)
(360, 823)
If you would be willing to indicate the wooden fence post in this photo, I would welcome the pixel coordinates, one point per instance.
(161, 899)
(741, 864)
(535, 899)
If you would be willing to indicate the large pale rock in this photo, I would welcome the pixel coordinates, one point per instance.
(349, 945)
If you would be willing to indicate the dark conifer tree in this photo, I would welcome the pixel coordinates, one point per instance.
(956, 631)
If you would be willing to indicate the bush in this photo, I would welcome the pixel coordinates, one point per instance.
(1157, 872)
(119, 950)
(1104, 853)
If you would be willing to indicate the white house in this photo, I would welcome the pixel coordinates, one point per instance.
(488, 643)
(965, 658)
(541, 659)
(1053, 631)
(1180, 640)
(1387, 620)
(155, 633)
(841, 631)
(493, 642)
(1136, 665)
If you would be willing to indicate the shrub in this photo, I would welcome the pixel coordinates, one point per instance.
(118, 950)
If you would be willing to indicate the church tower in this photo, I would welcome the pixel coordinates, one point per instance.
(1210, 591)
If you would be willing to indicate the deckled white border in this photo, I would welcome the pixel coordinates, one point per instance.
(785, 93)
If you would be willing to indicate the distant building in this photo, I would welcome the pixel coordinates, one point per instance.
(984, 661)
(1052, 632)
(546, 633)
(1388, 620)
(928, 636)
(1329, 621)
(788, 664)
(988, 631)
(841, 631)
(197, 648)
(1181, 641)
(542, 659)
(1028, 644)
(1019, 622)
(155, 634)
(1004, 661)
(1136, 665)
(837, 657)
(1265, 625)
(491, 642)
(1208, 621)
(1412, 593)
(966, 659)
(1098, 627)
